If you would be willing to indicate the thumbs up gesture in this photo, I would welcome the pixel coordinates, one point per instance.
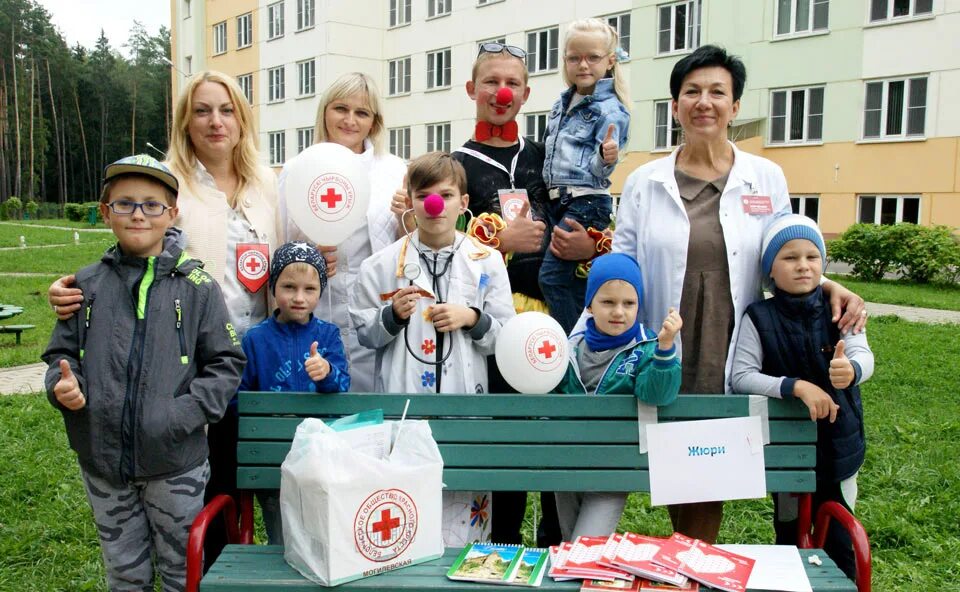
(668, 331)
(317, 368)
(841, 370)
(67, 389)
(609, 149)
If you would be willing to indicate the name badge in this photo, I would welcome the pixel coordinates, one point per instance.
(511, 202)
(757, 205)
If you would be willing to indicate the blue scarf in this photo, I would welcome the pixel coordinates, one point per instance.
(598, 341)
(612, 266)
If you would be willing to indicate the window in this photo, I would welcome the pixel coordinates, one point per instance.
(889, 209)
(796, 115)
(536, 126)
(500, 40)
(186, 9)
(306, 76)
(679, 28)
(621, 24)
(275, 20)
(542, 50)
(438, 69)
(882, 10)
(399, 12)
(802, 16)
(438, 137)
(666, 130)
(304, 138)
(275, 85)
(399, 76)
(245, 81)
(188, 65)
(220, 38)
(277, 149)
(306, 11)
(244, 30)
(438, 7)
(806, 205)
(485, 2)
(895, 108)
(400, 142)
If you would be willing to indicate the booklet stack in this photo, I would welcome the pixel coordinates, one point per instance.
(510, 565)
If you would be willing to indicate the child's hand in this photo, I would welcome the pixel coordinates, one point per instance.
(818, 402)
(668, 331)
(67, 389)
(450, 317)
(609, 150)
(841, 370)
(405, 302)
(317, 368)
(400, 206)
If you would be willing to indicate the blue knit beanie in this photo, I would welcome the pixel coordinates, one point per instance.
(297, 252)
(614, 266)
(783, 230)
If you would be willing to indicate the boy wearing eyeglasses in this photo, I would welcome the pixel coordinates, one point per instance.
(150, 360)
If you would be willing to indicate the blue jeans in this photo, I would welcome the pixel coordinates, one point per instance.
(562, 289)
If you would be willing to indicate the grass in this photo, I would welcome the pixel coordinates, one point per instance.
(31, 294)
(10, 235)
(939, 296)
(81, 225)
(55, 260)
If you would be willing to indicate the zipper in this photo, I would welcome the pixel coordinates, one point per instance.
(141, 306)
(184, 359)
(87, 314)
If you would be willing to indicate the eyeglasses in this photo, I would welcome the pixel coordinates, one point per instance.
(494, 47)
(592, 59)
(124, 207)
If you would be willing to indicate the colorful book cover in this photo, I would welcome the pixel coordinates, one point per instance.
(558, 556)
(652, 586)
(705, 563)
(634, 554)
(585, 556)
(530, 570)
(604, 585)
(486, 562)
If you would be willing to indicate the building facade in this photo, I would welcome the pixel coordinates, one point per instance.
(851, 97)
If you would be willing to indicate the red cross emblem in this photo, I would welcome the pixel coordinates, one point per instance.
(253, 263)
(331, 198)
(386, 525)
(546, 349)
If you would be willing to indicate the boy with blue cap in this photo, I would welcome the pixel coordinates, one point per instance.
(789, 347)
(616, 354)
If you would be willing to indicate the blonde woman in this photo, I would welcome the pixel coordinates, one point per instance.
(350, 114)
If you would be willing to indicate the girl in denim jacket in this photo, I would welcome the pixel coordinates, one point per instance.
(587, 128)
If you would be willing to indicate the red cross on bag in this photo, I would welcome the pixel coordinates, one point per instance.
(253, 265)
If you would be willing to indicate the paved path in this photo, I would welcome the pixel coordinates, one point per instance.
(22, 379)
(910, 313)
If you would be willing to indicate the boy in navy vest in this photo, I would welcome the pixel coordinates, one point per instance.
(789, 348)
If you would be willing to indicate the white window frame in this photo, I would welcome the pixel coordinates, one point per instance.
(438, 136)
(245, 82)
(889, 17)
(245, 30)
(803, 203)
(276, 84)
(617, 21)
(487, 2)
(398, 82)
(278, 149)
(810, 26)
(438, 8)
(275, 18)
(693, 36)
(535, 125)
(399, 13)
(536, 53)
(438, 77)
(500, 40)
(306, 14)
(187, 13)
(878, 206)
(307, 78)
(907, 106)
(808, 116)
(220, 38)
(400, 142)
(669, 125)
(305, 138)
(188, 65)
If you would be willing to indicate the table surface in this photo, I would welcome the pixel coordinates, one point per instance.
(262, 567)
(9, 310)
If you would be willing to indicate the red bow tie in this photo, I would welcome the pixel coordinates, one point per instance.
(486, 130)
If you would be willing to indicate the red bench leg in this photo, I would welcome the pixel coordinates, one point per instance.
(804, 538)
(198, 533)
(861, 543)
(246, 517)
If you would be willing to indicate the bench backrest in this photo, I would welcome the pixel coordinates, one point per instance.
(525, 442)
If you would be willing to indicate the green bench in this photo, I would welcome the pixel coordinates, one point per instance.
(566, 443)
(17, 329)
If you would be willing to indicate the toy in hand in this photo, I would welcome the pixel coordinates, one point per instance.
(433, 205)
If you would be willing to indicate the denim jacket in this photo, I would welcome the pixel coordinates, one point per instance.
(573, 139)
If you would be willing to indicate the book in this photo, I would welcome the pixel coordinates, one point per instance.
(487, 562)
(652, 586)
(604, 585)
(530, 570)
(634, 554)
(584, 557)
(558, 555)
(705, 563)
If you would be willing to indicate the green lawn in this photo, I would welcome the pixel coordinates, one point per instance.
(10, 235)
(81, 225)
(943, 297)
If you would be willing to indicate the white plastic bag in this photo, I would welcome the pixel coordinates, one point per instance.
(349, 515)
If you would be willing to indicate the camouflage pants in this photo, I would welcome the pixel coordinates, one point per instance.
(145, 522)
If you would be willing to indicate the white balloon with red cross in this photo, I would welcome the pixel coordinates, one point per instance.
(327, 190)
(531, 352)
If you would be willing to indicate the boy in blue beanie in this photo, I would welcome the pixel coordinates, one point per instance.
(298, 276)
(616, 354)
(788, 347)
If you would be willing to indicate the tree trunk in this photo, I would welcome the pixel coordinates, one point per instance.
(4, 112)
(83, 139)
(16, 113)
(56, 136)
(33, 71)
(133, 121)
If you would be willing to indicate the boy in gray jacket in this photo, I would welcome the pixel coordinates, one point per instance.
(150, 359)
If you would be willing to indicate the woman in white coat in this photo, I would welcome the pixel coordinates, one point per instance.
(694, 221)
(350, 114)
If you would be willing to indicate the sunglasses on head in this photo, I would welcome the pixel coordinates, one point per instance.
(493, 47)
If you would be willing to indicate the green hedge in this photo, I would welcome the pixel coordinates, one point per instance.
(922, 254)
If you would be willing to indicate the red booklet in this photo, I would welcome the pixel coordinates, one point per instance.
(634, 554)
(558, 555)
(705, 563)
(585, 556)
(604, 585)
(651, 586)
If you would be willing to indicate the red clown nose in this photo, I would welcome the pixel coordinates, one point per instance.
(504, 96)
(433, 205)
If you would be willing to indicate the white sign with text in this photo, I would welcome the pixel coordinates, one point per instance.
(710, 460)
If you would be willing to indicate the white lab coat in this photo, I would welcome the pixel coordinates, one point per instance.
(652, 225)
